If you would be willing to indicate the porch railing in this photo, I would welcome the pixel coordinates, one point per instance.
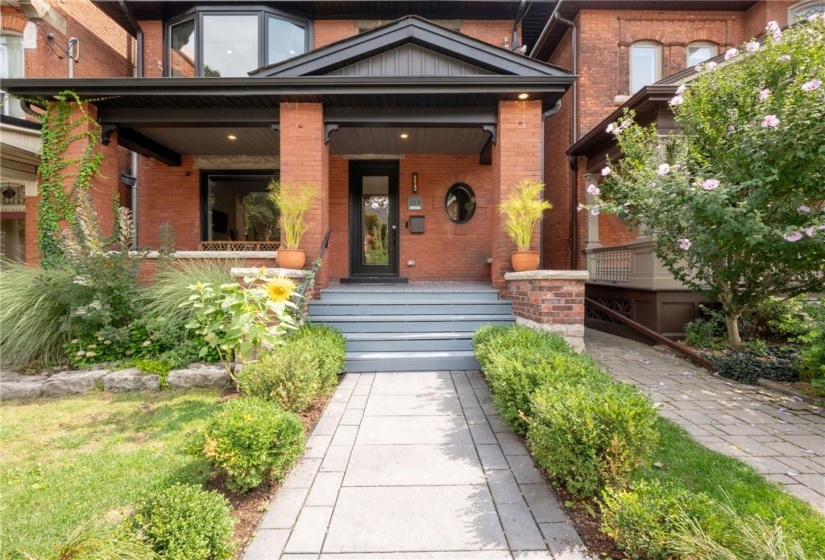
(239, 245)
(610, 264)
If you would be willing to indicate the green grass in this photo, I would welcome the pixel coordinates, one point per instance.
(85, 459)
(689, 464)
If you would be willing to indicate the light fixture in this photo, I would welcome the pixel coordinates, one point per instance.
(415, 182)
(404, 135)
(523, 96)
(232, 137)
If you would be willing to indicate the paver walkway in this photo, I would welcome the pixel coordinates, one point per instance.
(414, 466)
(780, 436)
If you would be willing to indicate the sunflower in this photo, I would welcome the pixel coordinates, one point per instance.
(279, 289)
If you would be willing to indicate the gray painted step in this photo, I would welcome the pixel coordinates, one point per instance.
(408, 297)
(432, 324)
(324, 308)
(409, 342)
(410, 361)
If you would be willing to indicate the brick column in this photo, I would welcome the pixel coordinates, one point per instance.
(550, 300)
(305, 160)
(517, 155)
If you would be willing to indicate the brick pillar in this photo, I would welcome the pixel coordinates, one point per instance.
(32, 205)
(305, 160)
(517, 155)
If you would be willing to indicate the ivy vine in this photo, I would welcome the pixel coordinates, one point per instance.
(63, 179)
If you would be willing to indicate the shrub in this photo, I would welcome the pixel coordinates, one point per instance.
(811, 363)
(590, 437)
(34, 316)
(252, 440)
(329, 348)
(776, 319)
(493, 340)
(185, 522)
(707, 331)
(747, 366)
(644, 518)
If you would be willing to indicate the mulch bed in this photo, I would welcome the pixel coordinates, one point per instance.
(586, 518)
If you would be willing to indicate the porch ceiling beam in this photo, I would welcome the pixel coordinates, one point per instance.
(145, 146)
(431, 118)
(126, 116)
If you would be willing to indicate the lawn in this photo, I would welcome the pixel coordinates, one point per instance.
(86, 459)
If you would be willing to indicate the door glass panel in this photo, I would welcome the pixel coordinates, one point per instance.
(230, 45)
(375, 215)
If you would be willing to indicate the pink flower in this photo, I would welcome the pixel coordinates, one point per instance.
(580, 207)
(812, 85)
(593, 189)
(810, 231)
(804, 209)
(684, 243)
(710, 184)
(681, 89)
(678, 100)
(773, 27)
(731, 53)
(763, 95)
(752, 46)
(770, 121)
(710, 66)
(664, 169)
(594, 211)
(606, 171)
(612, 129)
(784, 58)
(793, 236)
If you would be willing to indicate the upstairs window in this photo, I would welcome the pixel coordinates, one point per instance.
(700, 52)
(804, 10)
(11, 66)
(645, 65)
(223, 43)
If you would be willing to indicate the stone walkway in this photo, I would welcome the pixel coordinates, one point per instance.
(414, 466)
(780, 436)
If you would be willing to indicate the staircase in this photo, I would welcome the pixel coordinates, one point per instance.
(395, 328)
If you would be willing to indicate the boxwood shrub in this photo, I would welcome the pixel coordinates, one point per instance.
(252, 440)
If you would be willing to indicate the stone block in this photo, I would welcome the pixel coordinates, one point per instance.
(199, 375)
(74, 382)
(20, 389)
(130, 380)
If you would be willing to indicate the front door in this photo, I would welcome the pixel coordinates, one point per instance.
(373, 219)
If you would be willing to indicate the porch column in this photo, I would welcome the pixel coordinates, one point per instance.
(305, 160)
(593, 241)
(516, 155)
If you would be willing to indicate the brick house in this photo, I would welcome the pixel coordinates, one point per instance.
(415, 118)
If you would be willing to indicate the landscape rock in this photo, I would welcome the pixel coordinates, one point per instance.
(71, 383)
(131, 379)
(21, 389)
(199, 375)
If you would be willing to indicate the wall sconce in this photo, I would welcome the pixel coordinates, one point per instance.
(415, 182)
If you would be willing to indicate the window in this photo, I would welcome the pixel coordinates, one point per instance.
(239, 208)
(804, 10)
(215, 42)
(11, 66)
(645, 65)
(700, 52)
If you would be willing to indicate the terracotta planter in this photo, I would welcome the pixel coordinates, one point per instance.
(524, 260)
(293, 259)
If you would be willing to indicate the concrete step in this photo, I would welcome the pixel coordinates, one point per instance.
(385, 342)
(410, 323)
(410, 361)
(356, 298)
(324, 308)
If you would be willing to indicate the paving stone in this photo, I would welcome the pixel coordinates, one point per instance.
(482, 434)
(267, 544)
(345, 435)
(524, 469)
(469, 402)
(303, 474)
(511, 444)
(199, 375)
(284, 510)
(362, 390)
(324, 490)
(336, 458)
(458, 555)
(519, 527)
(802, 492)
(492, 457)
(386, 430)
(413, 465)
(532, 555)
(75, 382)
(352, 417)
(424, 387)
(414, 519)
(413, 405)
(504, 488)
(300, 557)
(326, 426)
(317, 446)
(543, 503)
(563, 540)
(357, 402)
(131, 379)
(335, 409)
(475, 416)
(22, 389)
(310, 530)
(497, 424)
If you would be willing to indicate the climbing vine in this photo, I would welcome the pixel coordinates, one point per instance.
(63, 179)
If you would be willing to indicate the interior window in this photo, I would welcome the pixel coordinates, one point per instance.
(645, 65)
(286, 40)
(230, 45)
(700, 52)
(239, 208)
(11, 66)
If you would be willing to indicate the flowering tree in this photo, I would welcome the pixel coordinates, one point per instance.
(736, 202)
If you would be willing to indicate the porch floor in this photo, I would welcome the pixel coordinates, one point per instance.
(426, 286)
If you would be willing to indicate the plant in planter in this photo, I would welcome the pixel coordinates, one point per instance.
(293, 201)
(522, 210)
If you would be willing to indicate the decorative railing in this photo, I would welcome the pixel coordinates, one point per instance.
(12, 194)
(239, 245)
(610, 264)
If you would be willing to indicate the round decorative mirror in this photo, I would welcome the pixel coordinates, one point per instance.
(460, 203)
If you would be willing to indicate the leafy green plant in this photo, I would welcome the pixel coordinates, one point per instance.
(811, 363)
(251, 441)
(330, 349)
(706, 331)
(748, 365)
(492, 340)
(293, 202)
(185, 522)
(778, 319)
(523, 209)
(590, 437)
(91, 542)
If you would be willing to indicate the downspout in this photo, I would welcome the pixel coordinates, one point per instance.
(138, 73)
(544, 116)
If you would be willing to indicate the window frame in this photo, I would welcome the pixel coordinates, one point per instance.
(262, 12)
(657, 71)
(714, 47)
(6, 101)
(796, 9)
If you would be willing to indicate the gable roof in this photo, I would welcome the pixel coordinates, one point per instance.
(412, 39)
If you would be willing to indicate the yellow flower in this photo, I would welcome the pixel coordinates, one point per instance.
(279, 289)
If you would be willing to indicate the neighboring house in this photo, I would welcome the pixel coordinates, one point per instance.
(415, 119)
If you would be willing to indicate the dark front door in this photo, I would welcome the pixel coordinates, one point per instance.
(373, 218)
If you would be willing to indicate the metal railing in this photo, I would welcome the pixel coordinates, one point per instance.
(239, 245)
(309, 279)
(612, 264)
(12, 194)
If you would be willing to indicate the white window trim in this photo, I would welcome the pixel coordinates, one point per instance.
(657, 71)
(713, 46)
(801, 7)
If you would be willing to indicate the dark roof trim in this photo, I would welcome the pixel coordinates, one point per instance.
(22, 123)
(410, 29)
(649, 98)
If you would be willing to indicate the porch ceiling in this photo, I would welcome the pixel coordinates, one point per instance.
(214, 141)
(387, 140)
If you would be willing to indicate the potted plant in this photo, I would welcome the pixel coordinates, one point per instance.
(293, 202)
(522, 209)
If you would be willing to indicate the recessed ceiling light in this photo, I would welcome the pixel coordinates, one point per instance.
(404, 135)
(232, 137)
(523, 96)
(228, 52)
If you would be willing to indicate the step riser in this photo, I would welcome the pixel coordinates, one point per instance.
(356, 298)
(321, 308)
(421, 326)
(423, 364)
(408, 345)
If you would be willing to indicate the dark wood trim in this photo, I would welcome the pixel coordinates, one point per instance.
(133, 140)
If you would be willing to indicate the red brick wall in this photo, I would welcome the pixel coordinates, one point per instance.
(327, 31)
(169, 194)
(763, 12)
(153, 59)
(548, 301)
